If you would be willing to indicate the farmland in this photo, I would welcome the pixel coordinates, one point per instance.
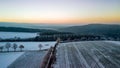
(88, 54)
(7, 35)
(28, 60)
(8, 58)
(30, 57)
(29, 45)
(82, 54)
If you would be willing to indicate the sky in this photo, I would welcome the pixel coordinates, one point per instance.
(60, 11)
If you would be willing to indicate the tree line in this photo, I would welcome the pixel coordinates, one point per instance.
(8, 45)
(14, 47)
(64, 36)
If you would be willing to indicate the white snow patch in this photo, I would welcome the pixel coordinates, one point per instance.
(7, 58)
(115, 42)
(29, 45)
(6, 35)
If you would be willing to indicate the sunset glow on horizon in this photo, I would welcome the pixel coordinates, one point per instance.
(60, 11)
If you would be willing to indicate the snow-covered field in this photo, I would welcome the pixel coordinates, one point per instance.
(29, 60)
(115, 42)
(29, 45)
(88, 54)
(8, 58)
(5, 35)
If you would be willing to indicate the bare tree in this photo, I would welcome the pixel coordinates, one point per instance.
(15, 46)
(7, 46)
(21, 47)
(40, 46)
(1, 48)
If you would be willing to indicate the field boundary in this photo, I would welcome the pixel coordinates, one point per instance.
(50, 57)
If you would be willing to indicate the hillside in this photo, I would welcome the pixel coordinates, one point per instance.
(20, 29)
(31, 25)
(96, 29)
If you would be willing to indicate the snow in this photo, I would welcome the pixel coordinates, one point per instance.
(30, 45)
(8, 58)
(88, 54)
(115, 42)
(6, 35)
(29, 60)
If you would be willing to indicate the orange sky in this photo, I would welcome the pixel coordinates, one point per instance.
(67, 20)
(60, 11)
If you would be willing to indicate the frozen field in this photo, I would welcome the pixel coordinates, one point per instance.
(96, 54)
(29, 45)
(5, 35)
(8, 58)
(29, 60)
(115, 42)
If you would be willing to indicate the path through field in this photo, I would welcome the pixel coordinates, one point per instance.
(96, 54)
(29, 60)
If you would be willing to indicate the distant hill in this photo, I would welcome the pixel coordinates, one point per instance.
(112, 30)
(20, 29)
(95, 29)
(31, 25)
